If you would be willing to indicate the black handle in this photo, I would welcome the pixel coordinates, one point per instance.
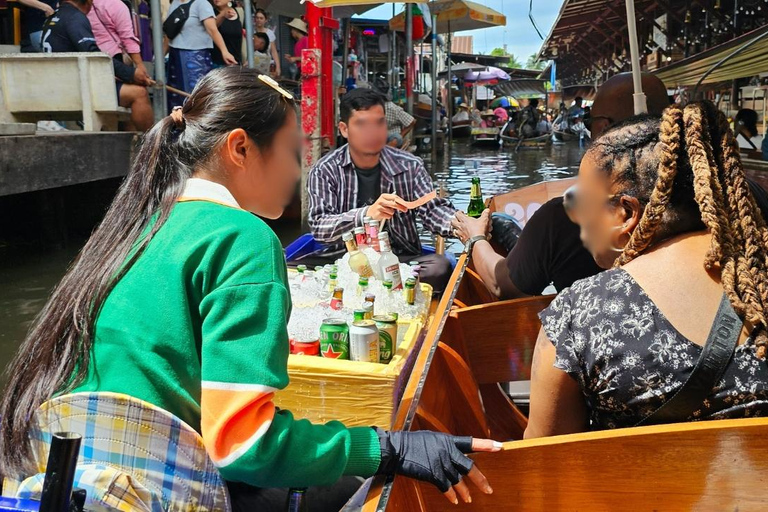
(60, 472)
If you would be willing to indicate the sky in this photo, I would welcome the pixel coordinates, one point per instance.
(519, 35)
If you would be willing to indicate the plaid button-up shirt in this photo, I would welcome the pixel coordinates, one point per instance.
(397, 118)
(333, 200)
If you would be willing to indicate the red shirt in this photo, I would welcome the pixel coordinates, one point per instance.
(301, 44)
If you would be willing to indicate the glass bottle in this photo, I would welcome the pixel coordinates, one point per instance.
(358, 261)
(388, 263)
(476, 204)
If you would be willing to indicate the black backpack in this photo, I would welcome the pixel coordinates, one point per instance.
(176, 20)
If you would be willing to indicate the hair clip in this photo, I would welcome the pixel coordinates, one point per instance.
(273, 84)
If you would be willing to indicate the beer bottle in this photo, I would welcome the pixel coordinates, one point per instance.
(358, 261)
(410, 291)
(476, 204)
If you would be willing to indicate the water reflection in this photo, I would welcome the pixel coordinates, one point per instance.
(500, 171)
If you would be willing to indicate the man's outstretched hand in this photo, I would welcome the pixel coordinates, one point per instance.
(385, 207)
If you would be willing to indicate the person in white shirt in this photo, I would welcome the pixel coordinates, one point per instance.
(260, 22)
(462, 114)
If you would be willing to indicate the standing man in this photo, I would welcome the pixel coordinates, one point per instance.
(367, 178)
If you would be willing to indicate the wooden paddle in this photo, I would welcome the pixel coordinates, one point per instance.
(177, 91)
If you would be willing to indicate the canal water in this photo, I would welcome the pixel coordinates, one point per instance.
(29, 272)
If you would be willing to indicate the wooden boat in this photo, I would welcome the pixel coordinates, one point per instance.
(565, 136)
(474, 344)
(462, 129)
(541, 141)
(485, 137)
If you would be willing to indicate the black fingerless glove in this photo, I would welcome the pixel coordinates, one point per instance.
(429, 456)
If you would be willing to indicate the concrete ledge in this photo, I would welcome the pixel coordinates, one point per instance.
(47, 161)
(17, 129)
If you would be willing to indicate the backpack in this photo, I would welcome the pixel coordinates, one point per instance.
(176, 20)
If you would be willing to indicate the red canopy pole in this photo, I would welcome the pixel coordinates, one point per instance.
(328, 107)
(310, 104)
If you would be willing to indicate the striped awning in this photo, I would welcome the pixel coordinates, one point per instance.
(750, 62)
(521, 88)
(456, 16)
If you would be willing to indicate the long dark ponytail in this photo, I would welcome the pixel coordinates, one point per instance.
(54, 356)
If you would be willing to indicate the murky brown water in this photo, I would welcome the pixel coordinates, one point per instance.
(27, 274)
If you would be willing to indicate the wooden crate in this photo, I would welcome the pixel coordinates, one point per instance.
(355, 393)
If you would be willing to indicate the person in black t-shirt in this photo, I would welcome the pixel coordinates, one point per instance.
(231, 30)
(69, 30)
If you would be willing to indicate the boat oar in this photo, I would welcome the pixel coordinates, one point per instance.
(519, 141)
(177, 91)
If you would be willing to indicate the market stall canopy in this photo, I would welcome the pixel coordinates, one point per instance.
(342, 8)
(486, 75)
(461, 69)
(522, 88)
(456, 16)
(750, 62)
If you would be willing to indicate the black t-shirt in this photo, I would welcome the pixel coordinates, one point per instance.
(69, 30)
(549, 250)
(232, 34)
(368, 185)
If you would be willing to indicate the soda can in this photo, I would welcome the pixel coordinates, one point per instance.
(334, 338)
(302, 347)
(358, 314)
(387, 325)
(364, 342)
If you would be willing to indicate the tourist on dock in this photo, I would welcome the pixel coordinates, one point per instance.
(745, 128)
(367, 178)
(190, 53)
(69, 30)
(33, 15)
(549, 250)
(399, 122)
(299, 33)
(180, 298)
(666, 204)
(113, 29)
(230, 25)
(260, 19)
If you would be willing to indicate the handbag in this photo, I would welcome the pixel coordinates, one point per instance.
(175, 21)
(708, 371)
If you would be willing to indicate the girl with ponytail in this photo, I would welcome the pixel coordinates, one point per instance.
(667, 205)
(180, 298)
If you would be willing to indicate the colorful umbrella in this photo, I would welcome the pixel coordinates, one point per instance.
(505, 102)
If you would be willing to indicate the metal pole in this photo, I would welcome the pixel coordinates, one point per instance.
(409, 58)
(249, 32)
(159, 97)
(638, 97)
(345, 57)
(391, 62)
(449, 108)
(60, 472)
(434, 90)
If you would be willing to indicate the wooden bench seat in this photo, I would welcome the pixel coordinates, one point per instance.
(61, 87)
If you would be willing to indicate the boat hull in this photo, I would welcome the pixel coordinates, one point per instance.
(542, 141)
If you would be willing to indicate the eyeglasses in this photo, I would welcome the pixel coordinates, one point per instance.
(588, 120)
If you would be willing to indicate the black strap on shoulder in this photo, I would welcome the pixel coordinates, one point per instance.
(708, 371)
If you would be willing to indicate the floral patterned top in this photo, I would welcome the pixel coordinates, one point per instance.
(629, 359)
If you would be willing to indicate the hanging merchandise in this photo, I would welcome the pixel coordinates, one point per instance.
(418, 31)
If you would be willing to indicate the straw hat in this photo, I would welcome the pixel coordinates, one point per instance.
(463, 105)
(488, 112)
(299, 25)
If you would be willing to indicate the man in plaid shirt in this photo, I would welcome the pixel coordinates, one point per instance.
(364, 178)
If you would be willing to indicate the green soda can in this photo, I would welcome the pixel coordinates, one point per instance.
(334, 339)
(387, 325)
(359, 314)
(410, 291)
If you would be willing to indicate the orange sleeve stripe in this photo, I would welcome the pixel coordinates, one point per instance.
(233, 420)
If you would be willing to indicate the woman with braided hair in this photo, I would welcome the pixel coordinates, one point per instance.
(666, 205)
